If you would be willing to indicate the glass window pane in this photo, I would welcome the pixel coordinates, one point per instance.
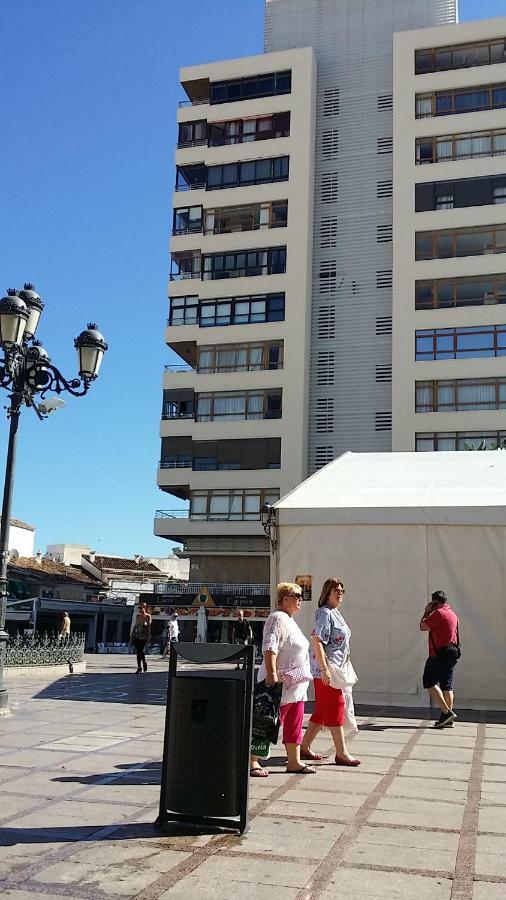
(444, 150)
(424, 248)
(443, 104)
(499, 96)
(445, 296)
(444, 244)
(469, 244)
(424, 152)
(263, 170)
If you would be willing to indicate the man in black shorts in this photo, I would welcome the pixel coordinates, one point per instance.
(242, 633)
(443, 627)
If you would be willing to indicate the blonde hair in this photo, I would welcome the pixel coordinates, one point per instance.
(329, 586)
(287, 587)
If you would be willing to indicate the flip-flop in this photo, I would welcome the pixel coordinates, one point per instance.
(342, 761)
(306, 770)
(258, 773)
(308, 754)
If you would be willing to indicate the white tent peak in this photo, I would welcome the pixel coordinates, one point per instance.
(398, 486)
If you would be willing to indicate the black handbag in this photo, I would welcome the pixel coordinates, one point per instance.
(448, 653)
(266, 703)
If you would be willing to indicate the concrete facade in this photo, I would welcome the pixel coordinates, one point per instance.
(472, 425)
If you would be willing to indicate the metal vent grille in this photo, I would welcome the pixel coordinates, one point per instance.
(384, 279)
(331, 102)
(383, 234)
(327, 323)
(328, 232)
(325, 367)
(384, 325)
(385, 101)
(330, 143)
(328, 276)
(383, 421)
(323, 456)
(325, 415)
(385, 145)
(329, 187)
(384, 189)
(384, 374)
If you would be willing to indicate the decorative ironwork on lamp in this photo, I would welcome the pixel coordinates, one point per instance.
(27, 373)
(268, 520)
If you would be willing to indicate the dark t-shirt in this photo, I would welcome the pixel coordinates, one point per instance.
(242, 631)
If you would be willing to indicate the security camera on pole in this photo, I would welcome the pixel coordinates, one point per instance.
(28, 374)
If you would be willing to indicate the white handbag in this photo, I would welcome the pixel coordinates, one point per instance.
(342, 676)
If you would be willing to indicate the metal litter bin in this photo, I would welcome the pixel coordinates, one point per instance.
(205, 773)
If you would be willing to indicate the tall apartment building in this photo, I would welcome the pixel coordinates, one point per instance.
(449, 342)
(234, 422)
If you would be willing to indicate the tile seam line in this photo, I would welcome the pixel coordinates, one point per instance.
(320, 879)
(164, 883)
(462, 888)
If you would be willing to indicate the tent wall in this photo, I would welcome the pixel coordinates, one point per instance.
(389, 571)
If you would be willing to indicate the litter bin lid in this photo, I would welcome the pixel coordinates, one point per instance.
(207, 653)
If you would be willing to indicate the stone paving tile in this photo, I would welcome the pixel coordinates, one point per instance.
(139, 795)
(119, 868)
(422, 769)
(451, 818)
(409, 837)
(357, 783)
(334, 813)
(417, 788)
(490, 864)
(358, 884)
(405, 857)
(31, 895)
(16, 857)
(222, 869)
(21, 739)
(494, 792)
(490, 843)
(7, 772)
(494, 756)
(194, 887)
(494, 773)
(39, 785)
(442, 754)
(13, 804)
(493, 818)
(36, 759)
(485, 890)
(73, 814)
(322, 798)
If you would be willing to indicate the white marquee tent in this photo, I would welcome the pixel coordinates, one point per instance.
(395, 527)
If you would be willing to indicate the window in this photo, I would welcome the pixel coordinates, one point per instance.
(187, 220)
(243, 310)
(183, 310)
(237, 405)
(239, 131)
(185, 265)
(478, 342)
(461, 193)
(178, 404)
(192, 134)
(474, 145)
(460, 440)
(232, 219)
(190, 178)
(240, 357)
(460, 395)
(248, 88)
(447, 293)
(460, 100)
(441, 59)
(231, 505)
(462, 242)
(244, 263)
(260, 171)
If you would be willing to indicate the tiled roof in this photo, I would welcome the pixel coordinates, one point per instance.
(54, 571)
(122, 564)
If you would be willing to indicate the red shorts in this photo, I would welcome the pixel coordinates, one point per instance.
(329, 705)
(292, 717)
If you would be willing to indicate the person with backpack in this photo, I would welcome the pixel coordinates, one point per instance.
(442, 625)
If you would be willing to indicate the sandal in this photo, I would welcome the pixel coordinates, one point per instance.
(306, 770)
(309, 754)
(343, 761)
(258, 772)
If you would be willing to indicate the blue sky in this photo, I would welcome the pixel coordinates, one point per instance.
(89, 92)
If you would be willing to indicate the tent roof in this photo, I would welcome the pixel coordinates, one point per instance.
(462, 487)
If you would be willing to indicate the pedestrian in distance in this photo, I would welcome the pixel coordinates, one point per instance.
(64, 628)
(286, 659)
(141, 634)
(241, 633)
(442, 625)
(172, 634)
(330, 655)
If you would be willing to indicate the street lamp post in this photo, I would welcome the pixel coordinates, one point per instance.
(28, 374)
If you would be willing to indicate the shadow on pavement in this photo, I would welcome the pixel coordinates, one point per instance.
(150, 773)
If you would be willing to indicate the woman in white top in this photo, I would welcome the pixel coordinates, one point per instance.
(286, 659)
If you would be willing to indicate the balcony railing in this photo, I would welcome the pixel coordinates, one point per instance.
(172, 514)
(175, 464)
(197, 142)
(203, 101)
(181, 276)
(179, 368)
(189, 589)
(186, 186)
(207, 517)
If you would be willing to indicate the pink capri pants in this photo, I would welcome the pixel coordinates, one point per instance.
(292, 717)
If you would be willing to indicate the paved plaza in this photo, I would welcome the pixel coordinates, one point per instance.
(423, 817)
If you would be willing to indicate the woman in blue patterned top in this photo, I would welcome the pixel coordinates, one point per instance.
(330, 643)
